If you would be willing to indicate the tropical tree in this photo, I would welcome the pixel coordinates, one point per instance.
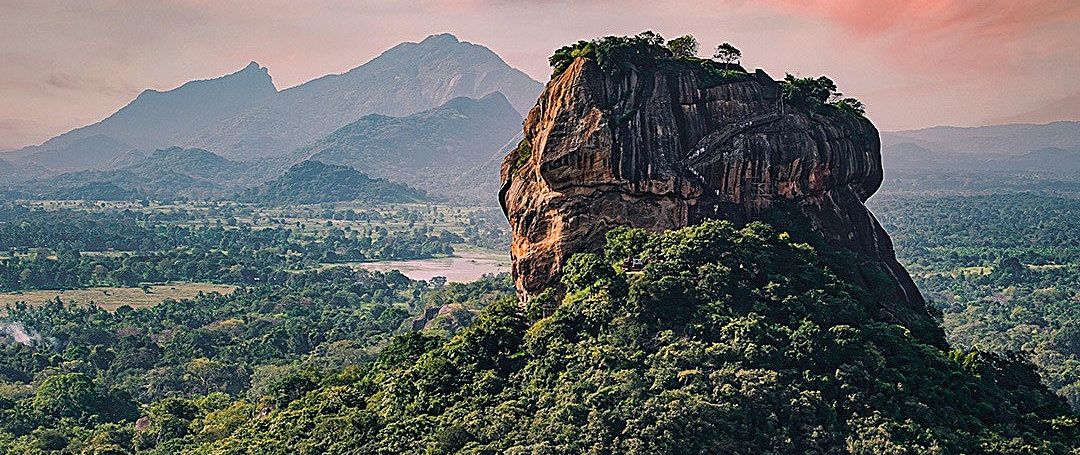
(727, 53)
(851, 105)
(685, 46)
(66, 395)
(808, 90)
(818, 92)
(649, 37)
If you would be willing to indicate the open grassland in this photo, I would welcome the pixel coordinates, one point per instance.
(111, 298)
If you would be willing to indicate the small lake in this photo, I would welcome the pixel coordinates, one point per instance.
(463, 267)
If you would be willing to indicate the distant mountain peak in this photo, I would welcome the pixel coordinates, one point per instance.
(406, 79)
(440, 38)
(452, 150)
(494, 97)
(255, 71)
(491, 100)
(157, 119)
(252, 74)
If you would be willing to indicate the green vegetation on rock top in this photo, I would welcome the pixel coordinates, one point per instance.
(647, 48)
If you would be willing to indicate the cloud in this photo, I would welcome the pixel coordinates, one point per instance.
(71, 82)
(1063, 108)
(915, 63)
(16, 132)
(968, 34)
(18, 333)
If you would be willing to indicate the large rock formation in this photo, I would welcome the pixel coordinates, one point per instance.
(661, 145)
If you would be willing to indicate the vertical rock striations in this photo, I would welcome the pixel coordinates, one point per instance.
(667, 143)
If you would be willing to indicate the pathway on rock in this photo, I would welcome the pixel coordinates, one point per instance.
(720, 136)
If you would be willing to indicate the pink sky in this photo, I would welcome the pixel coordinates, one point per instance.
(915, 63)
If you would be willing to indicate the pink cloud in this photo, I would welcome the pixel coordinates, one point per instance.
(915, 63)
(113, 88)
(950, 34)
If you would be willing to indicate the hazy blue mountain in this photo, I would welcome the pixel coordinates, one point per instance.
(89, 191)
(77, 154)
(166, 174)
(196, 163)
(432, 150)
(242, 116)
(155, 119)
(1046, 159)
(1011, 139)
(313, 182)
(13, 172)
(1051, 148)
(6, 170)
(406, 79)
(128, 158)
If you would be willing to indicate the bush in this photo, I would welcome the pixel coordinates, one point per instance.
(641, 48)
(818, 94)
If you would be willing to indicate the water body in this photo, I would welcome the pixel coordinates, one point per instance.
(463, 267)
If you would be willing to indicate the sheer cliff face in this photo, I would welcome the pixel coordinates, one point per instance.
(663, 146)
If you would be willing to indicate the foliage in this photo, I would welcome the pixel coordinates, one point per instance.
(851, 106)
(167, 174)
(313, 182)
(523, 153)
(808, 91)
(49, 250)
(75, 396)
(685, 46)
(1004, 269)
(729, 340)
(818, 94)
(72, 376)
(609, 50)
(620, 54)
(727, 53)
(259, 348)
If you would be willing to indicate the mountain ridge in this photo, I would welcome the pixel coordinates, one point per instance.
(242, 115)
(156, 119)
(166, 174)
(1003, 139)
(431, 149)
(1015, 147)
(403, 80)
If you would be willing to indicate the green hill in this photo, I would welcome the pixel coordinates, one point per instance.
(453, 151)
(313, 182)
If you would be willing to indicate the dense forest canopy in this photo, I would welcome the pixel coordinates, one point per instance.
(722, 328)
(50, 249)
(313, 182)
(1004, 270)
